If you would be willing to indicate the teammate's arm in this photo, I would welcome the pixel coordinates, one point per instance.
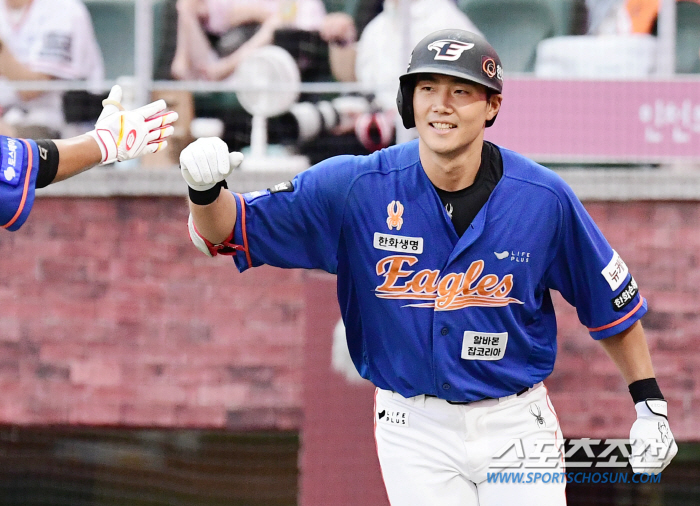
(119, 135)
(75, 156)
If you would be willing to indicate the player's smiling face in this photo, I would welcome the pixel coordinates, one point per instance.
(451, 113)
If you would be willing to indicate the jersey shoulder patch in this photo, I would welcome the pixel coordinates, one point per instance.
(287, 186)
(11, 160)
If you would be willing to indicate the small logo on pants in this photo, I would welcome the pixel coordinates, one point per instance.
(393, 417)
(537, 413)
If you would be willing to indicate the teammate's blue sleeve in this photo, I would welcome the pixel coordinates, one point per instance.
(19, 166)
(295, 225)
(590, 275)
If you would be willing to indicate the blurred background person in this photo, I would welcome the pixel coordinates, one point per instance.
(609, 17)
(380, 70)
(341, 30)
(206, 40)
(369, 49)
(366, 48)
(41, 40)
(214, 36)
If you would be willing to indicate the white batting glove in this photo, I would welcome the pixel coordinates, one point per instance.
(124, 135)
(653, 445)
(206, 162)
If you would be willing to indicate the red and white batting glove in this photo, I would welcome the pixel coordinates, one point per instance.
(653, 445)
(124, 135)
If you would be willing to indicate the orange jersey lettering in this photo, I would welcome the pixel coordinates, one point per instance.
(444, 293)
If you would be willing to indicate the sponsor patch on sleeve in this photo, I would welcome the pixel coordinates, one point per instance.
(287, 186)
(615, 272)
(251, 196)
(484, 345)
(11, 159)
(626, 295)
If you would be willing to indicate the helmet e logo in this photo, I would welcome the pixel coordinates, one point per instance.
(449, 50)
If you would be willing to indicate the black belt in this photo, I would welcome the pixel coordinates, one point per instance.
(461, 403)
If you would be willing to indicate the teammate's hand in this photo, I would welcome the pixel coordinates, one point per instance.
(206, 162)
(653, 445)
(123, 135)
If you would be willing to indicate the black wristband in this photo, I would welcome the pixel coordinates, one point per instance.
(206, 197)
(641, 390)
(48, 162)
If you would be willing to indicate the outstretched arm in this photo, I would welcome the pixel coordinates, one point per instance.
(205, 164)
(118, 135)
(76, 155)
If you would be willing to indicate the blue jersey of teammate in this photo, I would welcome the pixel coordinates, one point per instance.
(19, 167)
(427, 311)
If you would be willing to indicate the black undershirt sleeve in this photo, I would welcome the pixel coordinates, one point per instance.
(48, 162)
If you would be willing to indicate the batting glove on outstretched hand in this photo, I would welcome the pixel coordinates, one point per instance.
(206, 162)
(653, 445)
(124, 135)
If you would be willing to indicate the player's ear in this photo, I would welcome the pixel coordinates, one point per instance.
(493, 104)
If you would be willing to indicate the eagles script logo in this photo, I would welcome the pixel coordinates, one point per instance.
(395, 210)
(455, 290)
(449, 50)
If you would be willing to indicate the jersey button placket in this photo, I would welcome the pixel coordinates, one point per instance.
(445, 331)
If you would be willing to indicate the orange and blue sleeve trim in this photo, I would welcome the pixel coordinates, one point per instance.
(621, 324)
(16, 203)
(240, 235)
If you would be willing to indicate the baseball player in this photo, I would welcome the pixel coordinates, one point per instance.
(118, 135)
(446, 249)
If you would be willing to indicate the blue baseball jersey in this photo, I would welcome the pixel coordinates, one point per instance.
(427, 311)
(19, 165)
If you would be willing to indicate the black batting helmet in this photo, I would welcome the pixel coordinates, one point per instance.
(456, 53)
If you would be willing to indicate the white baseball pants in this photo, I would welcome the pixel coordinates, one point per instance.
(435, 453)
